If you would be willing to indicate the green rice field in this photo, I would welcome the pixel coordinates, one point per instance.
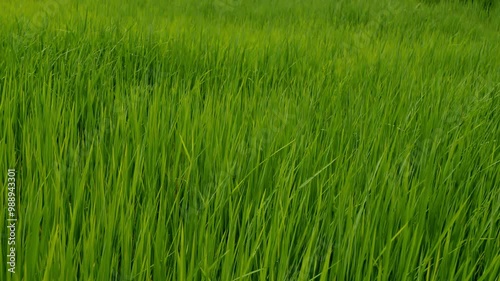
(250, 140)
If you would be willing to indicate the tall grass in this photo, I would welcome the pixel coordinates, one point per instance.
(243, 140)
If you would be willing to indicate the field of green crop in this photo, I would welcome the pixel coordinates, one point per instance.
(249, 140)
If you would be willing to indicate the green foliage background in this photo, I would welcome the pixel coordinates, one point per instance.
(251, 140)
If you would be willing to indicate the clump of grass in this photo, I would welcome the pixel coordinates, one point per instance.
(487, 5)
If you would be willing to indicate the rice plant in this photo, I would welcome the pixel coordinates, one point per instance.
(250, 140)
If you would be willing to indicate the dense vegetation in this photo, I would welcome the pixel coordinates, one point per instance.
(251, 140)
